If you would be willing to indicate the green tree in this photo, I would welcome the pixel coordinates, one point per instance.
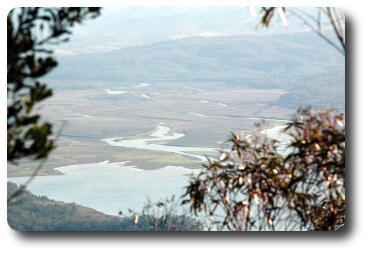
(31, 31)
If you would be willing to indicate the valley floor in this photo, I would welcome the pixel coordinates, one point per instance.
(205, 113)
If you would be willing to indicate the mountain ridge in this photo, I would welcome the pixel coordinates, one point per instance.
(224, 58)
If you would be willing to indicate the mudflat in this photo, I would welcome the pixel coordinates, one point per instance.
(205, 113)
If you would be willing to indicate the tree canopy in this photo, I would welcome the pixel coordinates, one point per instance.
(31, 31)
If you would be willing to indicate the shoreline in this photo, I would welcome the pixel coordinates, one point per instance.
(150, 142)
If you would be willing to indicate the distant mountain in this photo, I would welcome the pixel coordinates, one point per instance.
(299, 62)
(133, 26)
(259, 61)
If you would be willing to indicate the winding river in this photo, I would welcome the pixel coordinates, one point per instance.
(161, 134)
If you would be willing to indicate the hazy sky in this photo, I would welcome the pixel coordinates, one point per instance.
(132, 26)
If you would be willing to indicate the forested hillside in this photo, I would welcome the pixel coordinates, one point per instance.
(291, 61)
(268, 61)
(38, 213)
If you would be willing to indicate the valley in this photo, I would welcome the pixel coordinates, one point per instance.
(205, 113)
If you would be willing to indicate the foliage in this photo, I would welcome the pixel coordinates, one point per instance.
(256, 186)
(29, 31)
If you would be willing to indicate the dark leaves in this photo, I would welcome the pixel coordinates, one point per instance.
(256, 188)
(28, 59)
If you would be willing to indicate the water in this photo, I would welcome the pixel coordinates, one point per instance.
(143, 85)
(283, 138)
(196, 114)
(108, 91)
(161, 134)
(81, 115)
(110, 187)
(113, 187)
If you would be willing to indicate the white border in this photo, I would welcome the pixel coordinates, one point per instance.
(355, 235)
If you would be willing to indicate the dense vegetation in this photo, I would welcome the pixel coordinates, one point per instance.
(29, 212)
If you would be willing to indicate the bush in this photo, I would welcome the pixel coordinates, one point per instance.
(257, 187)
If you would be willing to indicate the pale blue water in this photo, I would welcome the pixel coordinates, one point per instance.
(110, 187)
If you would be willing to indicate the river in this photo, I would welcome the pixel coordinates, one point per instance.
(113, 187)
